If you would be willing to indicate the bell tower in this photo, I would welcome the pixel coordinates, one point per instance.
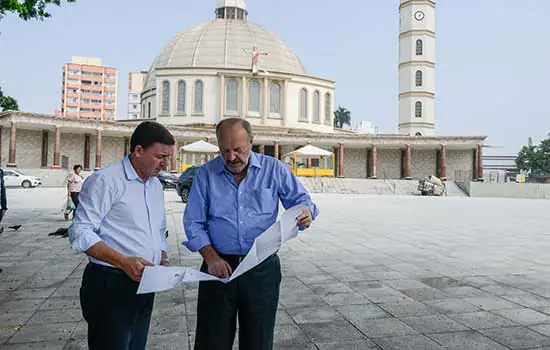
(417, 67)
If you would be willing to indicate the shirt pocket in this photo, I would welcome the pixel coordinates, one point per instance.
(262, 201)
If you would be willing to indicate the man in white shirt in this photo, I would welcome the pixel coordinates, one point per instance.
(120, 224)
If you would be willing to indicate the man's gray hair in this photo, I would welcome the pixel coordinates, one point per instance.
(228, 122)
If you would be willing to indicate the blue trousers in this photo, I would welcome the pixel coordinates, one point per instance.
(117, 317)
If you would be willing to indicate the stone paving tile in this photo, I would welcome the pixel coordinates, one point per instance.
(399, 278)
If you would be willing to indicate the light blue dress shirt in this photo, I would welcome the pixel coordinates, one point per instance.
(121, 210)
(230, 216)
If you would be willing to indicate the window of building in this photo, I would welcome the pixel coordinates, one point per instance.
(275, 98)
(317, 107)
(149, 110)
(198, 105)
(418, 78)
(232, 96)
(181, 96)
(303, 105)
(165, 97)
(418, 109)
(254, 96)
(418, 134)
(328, 107)
(419, 47)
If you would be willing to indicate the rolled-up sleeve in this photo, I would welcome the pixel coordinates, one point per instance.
(95, 200)
(196, 211)
(292, 192)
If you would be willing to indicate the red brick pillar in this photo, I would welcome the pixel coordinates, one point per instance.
(479, 163)
(373, 159)
(340, 159)
(57, 148)
(174, 163)
(276, 150)
(443, 162)
(407, 161)
(87, 152)
(13, 151)
(98, 147)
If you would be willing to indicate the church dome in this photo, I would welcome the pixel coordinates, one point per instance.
(225, 43)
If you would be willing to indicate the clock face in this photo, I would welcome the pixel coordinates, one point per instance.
(419, 15)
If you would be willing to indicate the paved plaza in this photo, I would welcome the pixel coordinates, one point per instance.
(374, 272)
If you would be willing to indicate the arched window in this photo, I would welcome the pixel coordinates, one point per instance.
(254, 96)
(165, 97)
(418, 109)
(149, 110)
(418, 134)
(419, 47)
(328, 111)
(418, 78)
(181, 96)
(232, 96)
(303, 105)
(198, 105)
(275, 98)
(317, 107)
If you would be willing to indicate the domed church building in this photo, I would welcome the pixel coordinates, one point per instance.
(231, 67)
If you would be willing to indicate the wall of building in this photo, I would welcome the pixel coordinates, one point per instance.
(510, 190)
(388, 164)
(460, 163)
(355, 163)
(423, 163)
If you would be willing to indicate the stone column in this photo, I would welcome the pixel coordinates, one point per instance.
(244, 101)
(57, 148)
(87, 152)
(340, 159)
(284, 96)
(261, 149)
(443, 162)
(98, 147)
(222, 97)
(276, 150)
(13, 151)
(174, 163)
(407, 162)
(373, 159)
(266, 101)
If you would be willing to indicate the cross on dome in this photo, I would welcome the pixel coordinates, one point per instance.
(231, 9)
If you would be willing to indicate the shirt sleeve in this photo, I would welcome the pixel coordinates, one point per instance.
(292, 192)
(95, 201)
(196, 212)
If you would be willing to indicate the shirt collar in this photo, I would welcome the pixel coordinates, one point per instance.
(129, 169)
(254, 162)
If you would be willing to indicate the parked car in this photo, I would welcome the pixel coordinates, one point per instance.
(167, 179)
(185, 181)
(16, 178)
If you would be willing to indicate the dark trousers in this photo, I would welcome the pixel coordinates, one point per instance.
(253, 297)
(118, 318)
(74, 198)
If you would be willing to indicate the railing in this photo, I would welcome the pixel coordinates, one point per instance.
(463, 179)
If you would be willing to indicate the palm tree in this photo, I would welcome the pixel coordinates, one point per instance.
(342, 117)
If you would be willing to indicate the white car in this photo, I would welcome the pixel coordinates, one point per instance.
(15, 178)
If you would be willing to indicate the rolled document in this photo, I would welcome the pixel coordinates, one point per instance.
(162, 278)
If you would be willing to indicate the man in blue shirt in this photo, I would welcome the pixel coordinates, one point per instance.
(120, 224)
(235, 198)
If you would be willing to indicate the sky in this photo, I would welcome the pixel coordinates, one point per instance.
(492, 56)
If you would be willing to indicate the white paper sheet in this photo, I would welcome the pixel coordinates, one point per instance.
(162, 278)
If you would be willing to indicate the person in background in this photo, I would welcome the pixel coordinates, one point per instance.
(74, 185)
(235, 198)
(3, 200)
(120, 224)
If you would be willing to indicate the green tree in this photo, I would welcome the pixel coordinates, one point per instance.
(7, 103)
(342, 117)
(535, 158)
(28, 9)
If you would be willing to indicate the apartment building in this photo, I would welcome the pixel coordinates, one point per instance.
(136, 81)
(89, 90)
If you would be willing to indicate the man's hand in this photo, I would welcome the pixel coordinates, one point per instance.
(164, 259)
(304, 219)
(134, 267)
(219, 267)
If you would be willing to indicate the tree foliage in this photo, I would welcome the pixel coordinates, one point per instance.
(342, 117)
(28, 9)
(535, 158)
(7, 103)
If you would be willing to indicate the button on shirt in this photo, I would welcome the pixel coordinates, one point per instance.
(123, 211)
(230, 216)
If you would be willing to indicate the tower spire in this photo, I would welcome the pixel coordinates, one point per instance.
(231, 9)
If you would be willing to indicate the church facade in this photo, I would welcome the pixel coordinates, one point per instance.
(230, 67)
